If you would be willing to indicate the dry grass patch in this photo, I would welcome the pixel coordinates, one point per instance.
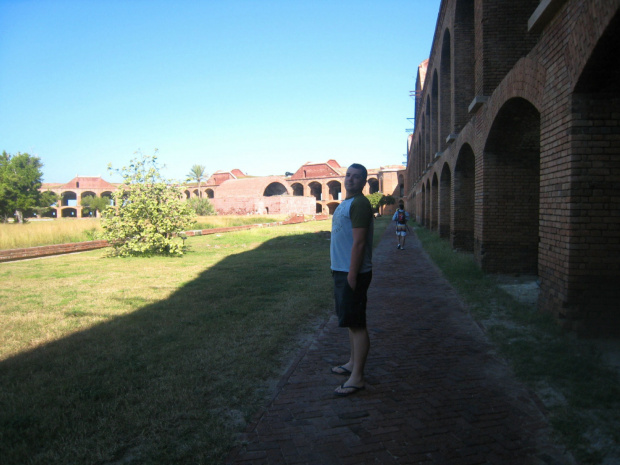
(47, 232)
(63, 231)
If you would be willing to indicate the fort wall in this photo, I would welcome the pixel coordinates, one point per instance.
(515, 154)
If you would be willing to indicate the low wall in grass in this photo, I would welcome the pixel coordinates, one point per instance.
(47, 250)
(59, 249)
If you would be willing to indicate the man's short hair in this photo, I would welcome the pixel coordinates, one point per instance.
(362, 168)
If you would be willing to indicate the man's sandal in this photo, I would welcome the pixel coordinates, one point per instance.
(353, 390)
(341, 371)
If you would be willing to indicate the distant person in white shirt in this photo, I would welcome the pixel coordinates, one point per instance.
(401, 217)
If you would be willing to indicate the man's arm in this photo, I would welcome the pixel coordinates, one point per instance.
(357, 255)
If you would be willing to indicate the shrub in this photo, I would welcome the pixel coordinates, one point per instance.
(149, 213)
(201, 206)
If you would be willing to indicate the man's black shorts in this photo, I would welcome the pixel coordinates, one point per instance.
(351, 305)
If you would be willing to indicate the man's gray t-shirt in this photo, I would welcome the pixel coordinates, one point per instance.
(355, 212)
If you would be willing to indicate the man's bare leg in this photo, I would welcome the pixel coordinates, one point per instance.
(360, 346)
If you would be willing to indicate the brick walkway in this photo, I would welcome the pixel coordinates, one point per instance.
(435, 394)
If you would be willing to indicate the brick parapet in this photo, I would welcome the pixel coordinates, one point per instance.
(48, 250)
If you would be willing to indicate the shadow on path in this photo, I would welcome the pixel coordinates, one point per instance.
(436, 391)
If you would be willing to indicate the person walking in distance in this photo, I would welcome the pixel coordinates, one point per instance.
(351, 264)
(401, 217)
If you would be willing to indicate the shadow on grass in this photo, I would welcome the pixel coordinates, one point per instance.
(174, 381)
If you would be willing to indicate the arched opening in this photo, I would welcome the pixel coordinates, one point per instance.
(87, 194)
(428, 146)
(422, 207)
(319, 208)
(187, 195)
(373, 185)
(464, 195)
(275, 188)
(428, 206)
(401, 185)
(210, 193)
(445, 201)
(69, 213)
(434, 116)
(445, 94)
(511, 191)
(464, 62)
(108, 195)
(316, 190)
(595, 191)
(332, 207)
(506, 26)
(68, 199)
(435, 203)
(298, 189)
(85, 212)
(335, 189)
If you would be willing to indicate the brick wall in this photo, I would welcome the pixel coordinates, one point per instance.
(48, 250)
(286, 204)
(533, 159)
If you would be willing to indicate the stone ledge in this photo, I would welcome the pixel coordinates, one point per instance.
(48, 250)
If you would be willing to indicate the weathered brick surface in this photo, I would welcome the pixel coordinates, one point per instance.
(436, 392)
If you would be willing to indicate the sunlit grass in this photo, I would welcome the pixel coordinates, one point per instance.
(47, 232)
(227, 221)
(63, 231)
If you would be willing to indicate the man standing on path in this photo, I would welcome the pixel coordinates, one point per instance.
(351, 264)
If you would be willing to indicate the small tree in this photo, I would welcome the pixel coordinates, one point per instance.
(95, 204)
(378, 200)
(388, 200)
(20, 180)
(198, 174)
(48, 198)
(201, 207)
(150, 212)
(375, 200)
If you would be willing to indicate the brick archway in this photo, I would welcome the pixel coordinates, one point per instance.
(462, 231)
(511, 158)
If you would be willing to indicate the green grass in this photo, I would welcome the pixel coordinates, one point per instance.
(154, 360)
(227, 221)
(47, 232)
(581, 393)
(160, 359)
(64, 231)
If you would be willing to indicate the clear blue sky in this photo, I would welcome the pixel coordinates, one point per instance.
(263, 86)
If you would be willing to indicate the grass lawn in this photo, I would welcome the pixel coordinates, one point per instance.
(158, 360)
(63, 231)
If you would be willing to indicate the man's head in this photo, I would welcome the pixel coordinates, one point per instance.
(355, 179)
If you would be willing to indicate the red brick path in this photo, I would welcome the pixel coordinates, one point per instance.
(436, 392)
